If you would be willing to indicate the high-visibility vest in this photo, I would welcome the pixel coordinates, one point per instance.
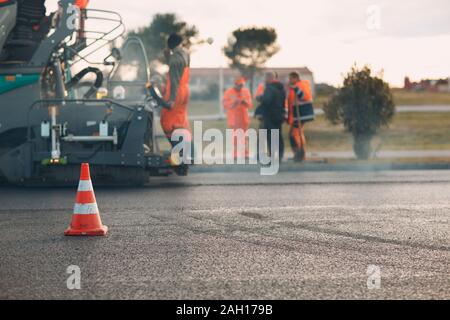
(293, 100)
(305, 87)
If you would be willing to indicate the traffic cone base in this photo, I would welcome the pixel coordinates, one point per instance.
(86, 217)
(101, 232)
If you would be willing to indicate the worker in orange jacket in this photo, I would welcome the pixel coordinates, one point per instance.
(299, 94)
(174, 115)
(237, 101)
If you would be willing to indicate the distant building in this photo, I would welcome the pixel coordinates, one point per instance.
(441, 85)
(203, 78)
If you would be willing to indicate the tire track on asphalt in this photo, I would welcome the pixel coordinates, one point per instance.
(252, 213)
(308, 246)
(345, 234)
(171, 185)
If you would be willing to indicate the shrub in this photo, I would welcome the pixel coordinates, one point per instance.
(363, 105)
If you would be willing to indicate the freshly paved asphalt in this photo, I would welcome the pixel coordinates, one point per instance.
(236, 235)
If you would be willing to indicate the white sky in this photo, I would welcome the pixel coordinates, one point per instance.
(328, 36)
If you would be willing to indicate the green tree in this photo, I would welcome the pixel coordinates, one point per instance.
(156, 34)
(363, 105)
(248, 50)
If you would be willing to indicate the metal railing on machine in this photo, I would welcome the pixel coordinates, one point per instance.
(96, 40)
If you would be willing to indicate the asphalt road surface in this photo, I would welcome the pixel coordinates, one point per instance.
(237, 236)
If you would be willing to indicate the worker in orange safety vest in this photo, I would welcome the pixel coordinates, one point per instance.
(299, 94)
(174, 115)
(237, 101)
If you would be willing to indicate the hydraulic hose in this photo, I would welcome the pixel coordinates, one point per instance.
(95, 86)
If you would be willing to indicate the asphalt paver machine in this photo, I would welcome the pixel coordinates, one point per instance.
(53, 118)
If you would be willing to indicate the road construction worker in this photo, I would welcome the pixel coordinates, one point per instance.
(237, 101)
(174, 114)
(273, 105)
(299, 95)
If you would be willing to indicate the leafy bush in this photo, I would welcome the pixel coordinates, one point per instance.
(363, 105)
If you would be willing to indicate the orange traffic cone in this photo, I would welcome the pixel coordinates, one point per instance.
(86, 217)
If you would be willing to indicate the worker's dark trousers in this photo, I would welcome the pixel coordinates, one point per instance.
(270, 127)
